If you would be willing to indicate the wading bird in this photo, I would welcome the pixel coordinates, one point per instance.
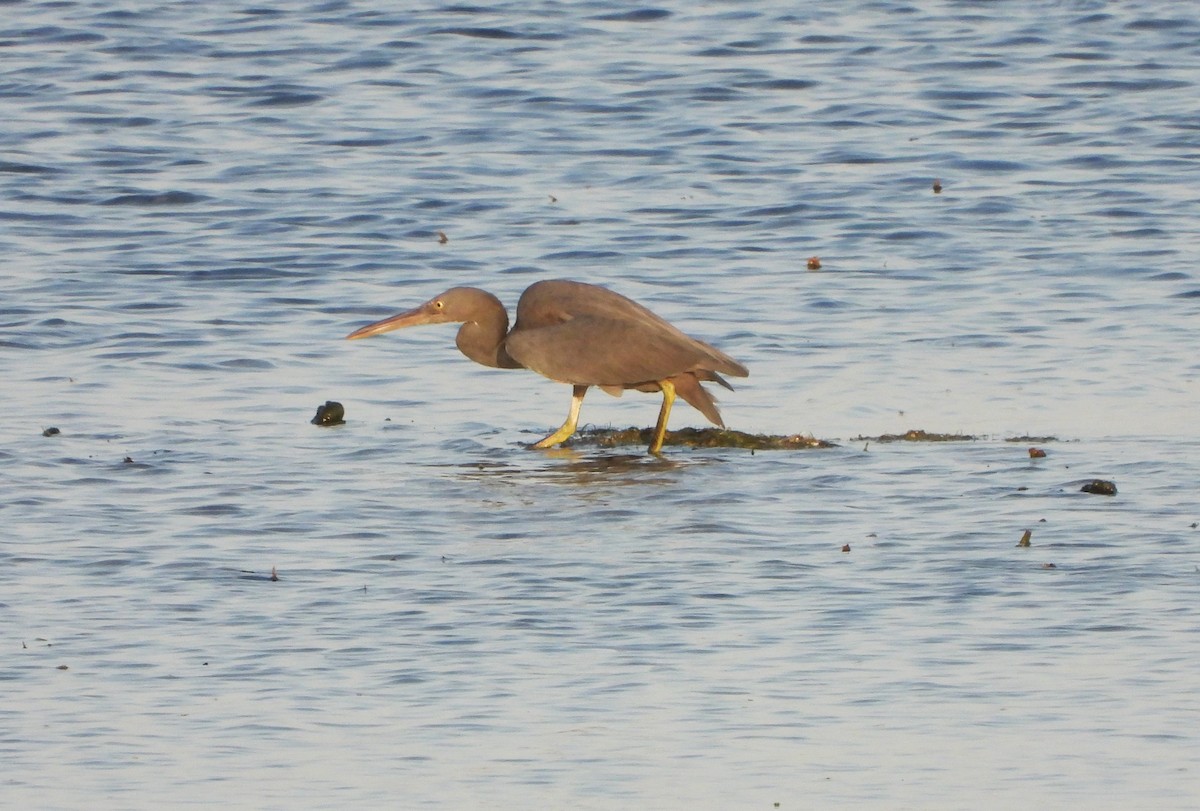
(579, 334)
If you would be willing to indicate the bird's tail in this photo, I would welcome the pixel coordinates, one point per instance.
(688, 387)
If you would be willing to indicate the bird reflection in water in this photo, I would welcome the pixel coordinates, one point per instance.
(573, 467)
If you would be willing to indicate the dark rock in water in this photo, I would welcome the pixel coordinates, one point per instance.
(51, 432)
(1099, 487)
(331, 413)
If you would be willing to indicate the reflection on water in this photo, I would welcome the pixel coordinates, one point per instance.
(585, 469)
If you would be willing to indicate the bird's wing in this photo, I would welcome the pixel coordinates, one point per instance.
(594, 351)
(556, 301)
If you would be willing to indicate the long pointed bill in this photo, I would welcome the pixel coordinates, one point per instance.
(412, 318)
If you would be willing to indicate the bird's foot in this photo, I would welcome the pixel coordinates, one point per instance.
(557, 438)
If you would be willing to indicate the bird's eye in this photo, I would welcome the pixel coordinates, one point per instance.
(439, 304)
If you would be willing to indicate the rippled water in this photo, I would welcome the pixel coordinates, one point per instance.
(200, 200)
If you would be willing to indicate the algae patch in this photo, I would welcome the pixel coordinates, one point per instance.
(697, 438)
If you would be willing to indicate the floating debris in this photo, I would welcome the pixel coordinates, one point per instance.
(814, 263)
(846, 548)
(1025, 538)
(51, 432)
(249, 574)
(1099, 487)
(697, 438)
(1037, 453)
(332, 413)
(917, 435)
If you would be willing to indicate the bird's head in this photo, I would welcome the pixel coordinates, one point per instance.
(455, 305)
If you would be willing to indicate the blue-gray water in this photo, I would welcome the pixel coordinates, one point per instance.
(199, 200)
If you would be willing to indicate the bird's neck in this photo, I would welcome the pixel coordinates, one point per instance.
(482, 339)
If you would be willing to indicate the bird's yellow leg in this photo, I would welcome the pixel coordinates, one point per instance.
(568, 427)
(660, 430)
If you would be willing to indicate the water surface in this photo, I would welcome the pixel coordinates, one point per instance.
(199, 201)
